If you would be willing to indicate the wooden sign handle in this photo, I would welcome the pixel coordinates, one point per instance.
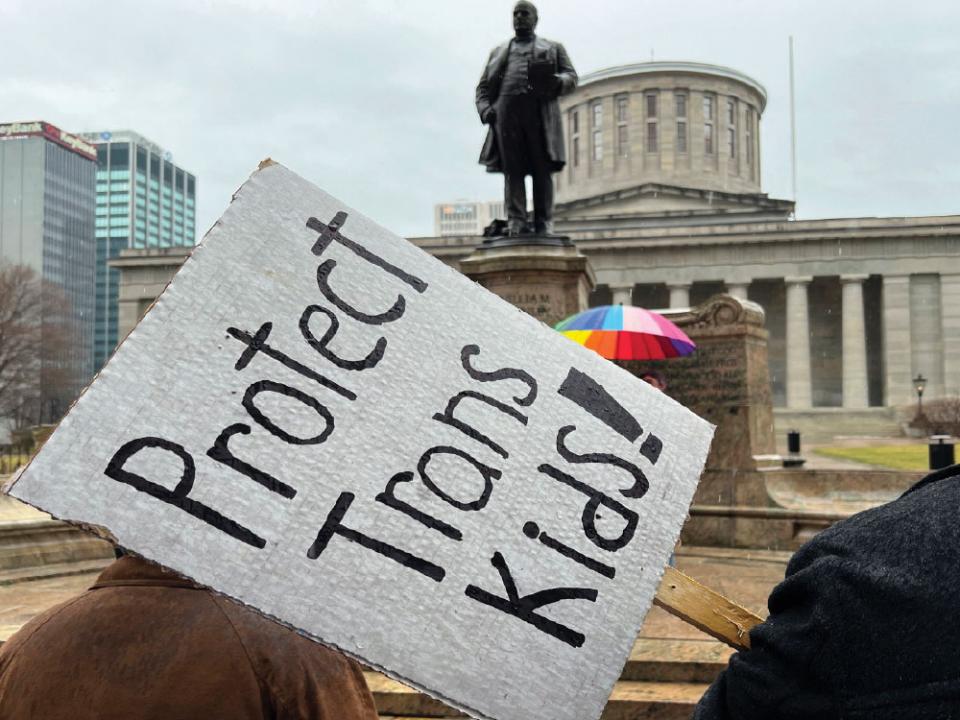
(709, 611)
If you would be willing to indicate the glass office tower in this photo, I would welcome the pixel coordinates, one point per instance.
(144, 200)
(47, 223)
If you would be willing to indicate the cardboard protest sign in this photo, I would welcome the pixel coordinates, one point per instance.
(327, 424)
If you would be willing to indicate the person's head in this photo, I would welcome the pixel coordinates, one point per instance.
(655, 378)
(524, 18)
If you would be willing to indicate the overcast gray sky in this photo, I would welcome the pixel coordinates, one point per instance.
(373, 99)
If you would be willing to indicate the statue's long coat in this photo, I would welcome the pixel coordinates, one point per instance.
(488, 90)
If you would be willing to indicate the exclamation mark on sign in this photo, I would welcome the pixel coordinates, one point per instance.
(586, 392)
(590, 395)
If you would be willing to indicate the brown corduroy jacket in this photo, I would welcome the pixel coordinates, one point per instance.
(145, 644)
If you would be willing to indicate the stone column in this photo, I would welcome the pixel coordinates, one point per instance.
(679, 295)
(950, 317)
(926, 332)
(622, 294)
(855, 394)
(898, 387)
(738, 289)
(799, 386)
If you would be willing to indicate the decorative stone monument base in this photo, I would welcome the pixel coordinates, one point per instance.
(550, 282)
(725, 381)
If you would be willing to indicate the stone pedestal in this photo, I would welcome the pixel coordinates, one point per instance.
(549, 282)
(726, 381)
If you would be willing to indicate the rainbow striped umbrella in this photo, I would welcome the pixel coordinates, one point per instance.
(623, 332)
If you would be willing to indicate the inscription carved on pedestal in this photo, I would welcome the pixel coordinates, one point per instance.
(544, 304)
(715, 376)
(533, 303)
(549, 283)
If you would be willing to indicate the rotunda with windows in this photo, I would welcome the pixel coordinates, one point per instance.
(662, 136)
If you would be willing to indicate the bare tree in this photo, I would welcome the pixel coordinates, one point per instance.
(942, 416)
(37, 378)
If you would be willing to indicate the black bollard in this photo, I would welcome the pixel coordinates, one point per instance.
(793, 442)
(793, 458)
(941, 452)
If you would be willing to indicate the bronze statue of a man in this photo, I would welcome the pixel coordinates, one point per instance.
(517, 97)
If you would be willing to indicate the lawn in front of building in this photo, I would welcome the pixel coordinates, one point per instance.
(895, 457)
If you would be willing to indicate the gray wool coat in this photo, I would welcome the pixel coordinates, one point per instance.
(865, 625)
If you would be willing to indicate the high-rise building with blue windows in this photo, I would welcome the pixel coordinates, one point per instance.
(144, 200)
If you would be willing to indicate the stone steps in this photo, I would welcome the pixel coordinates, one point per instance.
(629, 700)
(53, 570)
(30, 539)
(821, 426)
(663, 679)
(655, 701)
(675, 661)
(396, 699)
(668, 670)
(35, 543)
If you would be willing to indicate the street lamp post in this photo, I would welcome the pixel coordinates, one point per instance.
(919, 384)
